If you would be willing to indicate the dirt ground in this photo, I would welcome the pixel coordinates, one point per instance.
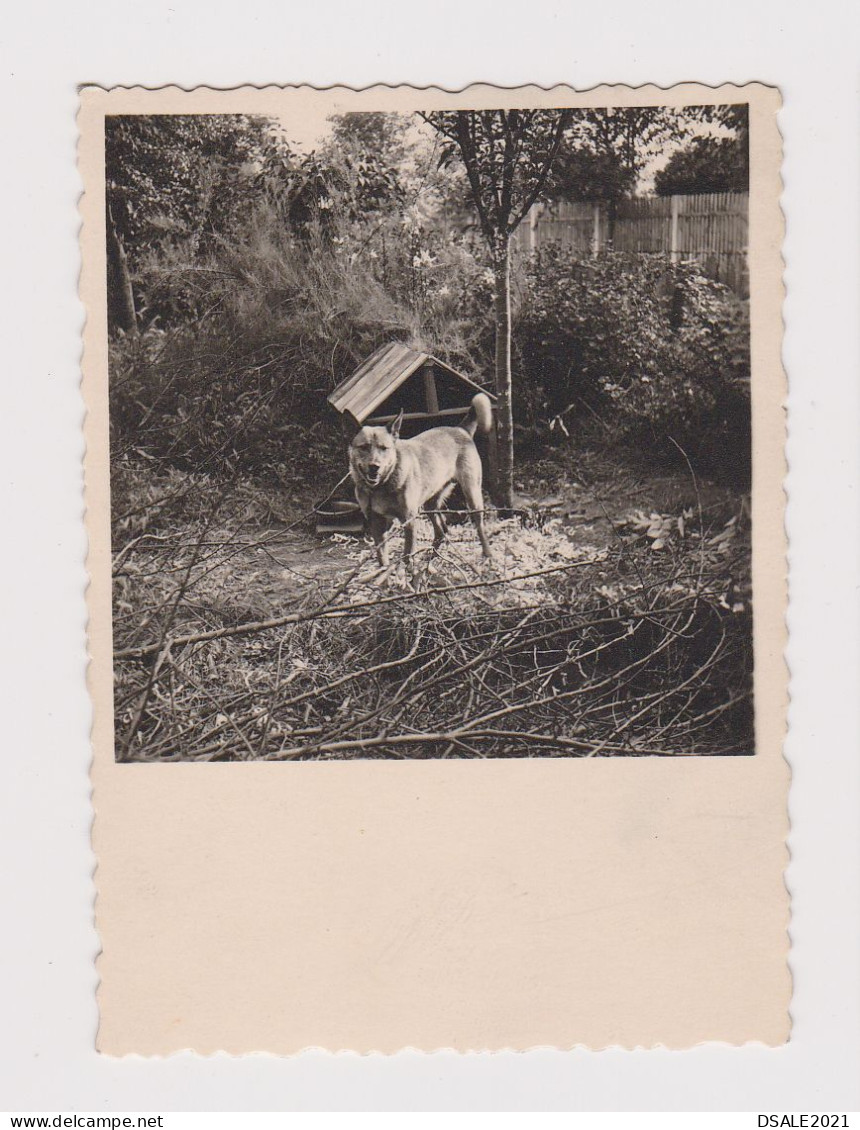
(591, 498)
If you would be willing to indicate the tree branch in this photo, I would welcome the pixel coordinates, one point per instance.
(531, 197)
(335, 610)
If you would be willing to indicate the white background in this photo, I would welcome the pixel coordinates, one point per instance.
(48, 1014)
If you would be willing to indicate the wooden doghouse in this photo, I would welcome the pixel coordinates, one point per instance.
(428, 391)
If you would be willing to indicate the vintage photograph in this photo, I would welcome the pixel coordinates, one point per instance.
(430, 433)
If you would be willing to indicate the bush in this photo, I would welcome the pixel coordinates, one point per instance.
(655, 350)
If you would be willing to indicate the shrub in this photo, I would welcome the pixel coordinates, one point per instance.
(655, 350)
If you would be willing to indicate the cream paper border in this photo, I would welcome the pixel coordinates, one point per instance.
(474, 905)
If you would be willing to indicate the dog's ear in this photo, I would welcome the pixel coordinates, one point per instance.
(395, 425)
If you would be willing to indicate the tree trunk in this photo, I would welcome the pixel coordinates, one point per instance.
(504, 486)
(121, 311)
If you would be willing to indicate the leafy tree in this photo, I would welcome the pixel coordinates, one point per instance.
(508, 156)
(582, 174)
(711, 164)
(708, 164)
(355, 175)
(731, 116)
(633, 134)
(175, 175)
(168, 172)
(605, 151)
(369, 153)
(370, 132)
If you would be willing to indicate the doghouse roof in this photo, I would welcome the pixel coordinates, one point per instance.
(381, 375)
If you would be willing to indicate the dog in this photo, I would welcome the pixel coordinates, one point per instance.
(395, 478)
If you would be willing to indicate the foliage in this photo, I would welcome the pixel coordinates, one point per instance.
(507, 155)
(321, 188)
(648, 347)
(604, 152)
(369, 133)
(262, 330)
(182, 187)
(625, 137)
(718, 162)
(169, 174)
(708, 164)
(732, 117)
(582, 174)
(177, 182)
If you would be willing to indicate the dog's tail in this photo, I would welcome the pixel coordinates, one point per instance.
(480, 417)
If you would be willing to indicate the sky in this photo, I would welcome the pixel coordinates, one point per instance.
(306, 130)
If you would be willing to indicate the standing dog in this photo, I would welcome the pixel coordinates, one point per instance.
(395, 477)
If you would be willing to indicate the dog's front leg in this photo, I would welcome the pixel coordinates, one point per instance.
(379, 526)
(409, 548)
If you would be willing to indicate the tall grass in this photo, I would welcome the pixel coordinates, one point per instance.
(243, 343)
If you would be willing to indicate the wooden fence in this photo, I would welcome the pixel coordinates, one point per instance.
(710, 228)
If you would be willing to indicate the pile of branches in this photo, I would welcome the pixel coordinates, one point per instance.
(583, 658)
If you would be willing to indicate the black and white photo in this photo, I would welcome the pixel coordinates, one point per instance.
(430, 433)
